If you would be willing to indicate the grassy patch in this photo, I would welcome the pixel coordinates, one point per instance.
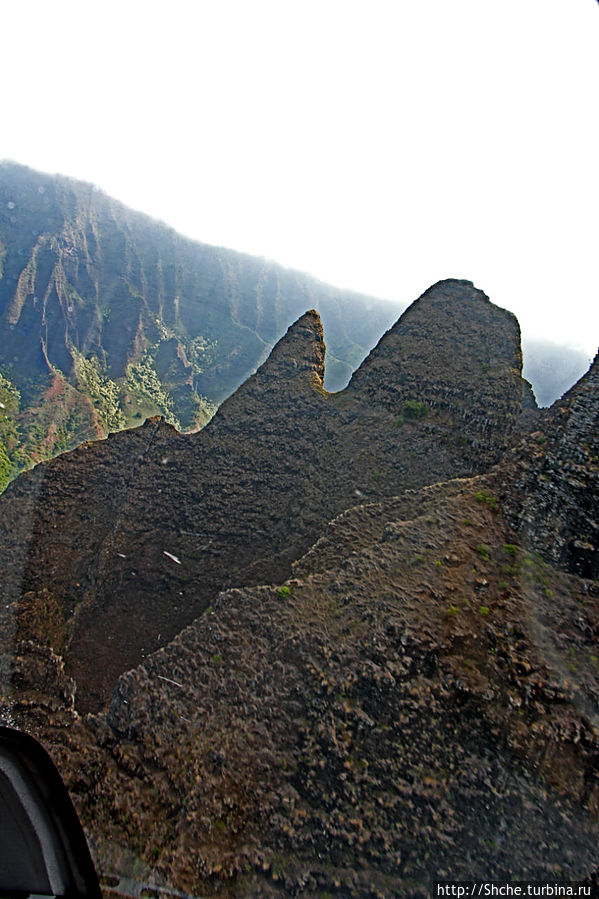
(535, 570)
(102, 390)
(144, 390)
(10, 401)
(491, 501)
(412, 409)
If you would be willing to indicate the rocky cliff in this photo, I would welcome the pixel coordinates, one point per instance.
(411, 704)
(328, 650)
(121, 529)
(552, 491)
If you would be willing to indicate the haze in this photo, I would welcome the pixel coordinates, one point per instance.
(380, 146)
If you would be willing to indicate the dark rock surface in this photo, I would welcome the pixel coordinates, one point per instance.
(459, 354)
(237, 502)
(418, 701)
(553, 494)
(331, 647)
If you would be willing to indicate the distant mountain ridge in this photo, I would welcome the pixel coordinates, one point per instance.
(108, 317)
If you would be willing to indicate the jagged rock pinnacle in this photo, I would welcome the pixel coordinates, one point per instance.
(295, 366)
(455, 352)
(301, 349)
(452, 329)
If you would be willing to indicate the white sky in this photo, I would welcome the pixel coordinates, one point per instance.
(380, 144)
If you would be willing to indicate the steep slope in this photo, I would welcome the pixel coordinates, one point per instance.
(149, 525)
(420, 700)
(552, 494)
(405, 709)
(471, 370)
(137, 319)
(415, 696)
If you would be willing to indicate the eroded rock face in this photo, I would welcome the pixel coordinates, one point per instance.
(293, 372)
(236, 503)
(460, 355)
(553, 496)
(414, 693)
(404, 707)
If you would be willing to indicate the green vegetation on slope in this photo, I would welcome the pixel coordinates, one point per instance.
(45, 417)
(49, 415)
(142, 389)
(138, 320)
(10, 399)
(103, 392)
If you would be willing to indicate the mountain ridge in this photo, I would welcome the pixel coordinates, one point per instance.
(108, 316)
(137, 319)
(418, 697)
(331, 643)
(245, 496)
